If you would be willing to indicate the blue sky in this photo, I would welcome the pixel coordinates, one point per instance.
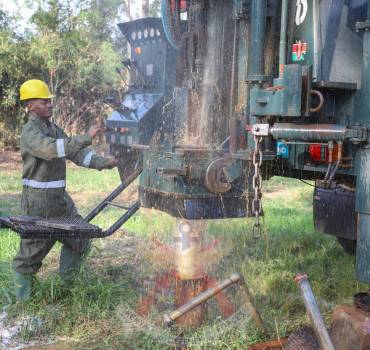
(20, 8)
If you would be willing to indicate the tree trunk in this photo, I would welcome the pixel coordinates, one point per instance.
(145, 7)
(127, 9)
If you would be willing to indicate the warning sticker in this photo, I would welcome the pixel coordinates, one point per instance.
(299, 51)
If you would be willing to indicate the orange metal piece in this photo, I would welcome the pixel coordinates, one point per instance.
(185, 291)
(276, 344)
(227, 308)
(138, 50)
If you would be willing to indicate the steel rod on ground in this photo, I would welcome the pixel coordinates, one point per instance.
(235, 278)
(170, 318)
(314, 312)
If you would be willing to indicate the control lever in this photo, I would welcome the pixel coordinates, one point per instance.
(132, 67)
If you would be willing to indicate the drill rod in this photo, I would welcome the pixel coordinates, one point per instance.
(314, 312)
(170, 318)
(235, 278)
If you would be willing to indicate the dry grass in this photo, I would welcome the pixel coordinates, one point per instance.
(10, 161)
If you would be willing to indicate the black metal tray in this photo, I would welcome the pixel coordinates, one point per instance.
(54, 228)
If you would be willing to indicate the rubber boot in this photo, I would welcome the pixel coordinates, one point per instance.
(69, 264)
(22, 286)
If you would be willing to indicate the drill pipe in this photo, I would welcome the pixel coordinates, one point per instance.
(314, 312)
(169, 319)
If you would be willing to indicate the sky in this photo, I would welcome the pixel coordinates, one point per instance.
(17, 7)
(21, 7)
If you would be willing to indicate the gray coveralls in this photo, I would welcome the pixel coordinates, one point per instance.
(44, 148)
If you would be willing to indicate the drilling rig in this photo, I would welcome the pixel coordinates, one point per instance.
(226, 94)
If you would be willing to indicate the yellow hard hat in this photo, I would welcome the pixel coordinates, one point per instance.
(34, 88)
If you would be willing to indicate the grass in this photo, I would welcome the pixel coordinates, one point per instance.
(98, 309)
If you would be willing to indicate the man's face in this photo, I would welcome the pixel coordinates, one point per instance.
(43, 108)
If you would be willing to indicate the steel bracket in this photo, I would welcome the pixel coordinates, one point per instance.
(257, 78)
(283, 99)
(357, 134)
(363, 26)
(172, 172)
(261, 129)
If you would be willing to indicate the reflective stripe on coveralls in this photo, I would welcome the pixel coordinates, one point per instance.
(44, 185)
(87, 160)
(60, 148)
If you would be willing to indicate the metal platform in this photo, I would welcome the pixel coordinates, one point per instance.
(62, 227)
(37, 227)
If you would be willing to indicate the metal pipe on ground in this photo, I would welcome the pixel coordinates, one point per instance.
(314, 312)
(236, 278)
(170, 318)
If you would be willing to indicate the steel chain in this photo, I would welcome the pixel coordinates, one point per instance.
(257, 186)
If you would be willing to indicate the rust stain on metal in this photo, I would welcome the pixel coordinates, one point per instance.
(186, 290)
(276, 344)
(355, 324)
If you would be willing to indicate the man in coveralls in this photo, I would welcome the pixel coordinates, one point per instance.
(44, 149)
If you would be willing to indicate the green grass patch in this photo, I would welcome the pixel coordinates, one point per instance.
(98, 309)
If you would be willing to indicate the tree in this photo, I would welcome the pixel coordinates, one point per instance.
(155, 8)
(73, 49)
(75, 46)
(17, 63)
(145, 7)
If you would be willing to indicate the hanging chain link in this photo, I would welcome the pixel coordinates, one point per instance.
(257, 186)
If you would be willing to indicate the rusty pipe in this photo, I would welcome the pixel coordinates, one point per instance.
(170, 318)
(313, 312)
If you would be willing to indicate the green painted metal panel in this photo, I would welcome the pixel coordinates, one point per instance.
(283, 100)
(301, 43)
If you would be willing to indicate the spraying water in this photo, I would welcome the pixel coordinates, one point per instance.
(205, 125)
(189, 239)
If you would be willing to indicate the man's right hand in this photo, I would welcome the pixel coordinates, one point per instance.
(94, 130)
